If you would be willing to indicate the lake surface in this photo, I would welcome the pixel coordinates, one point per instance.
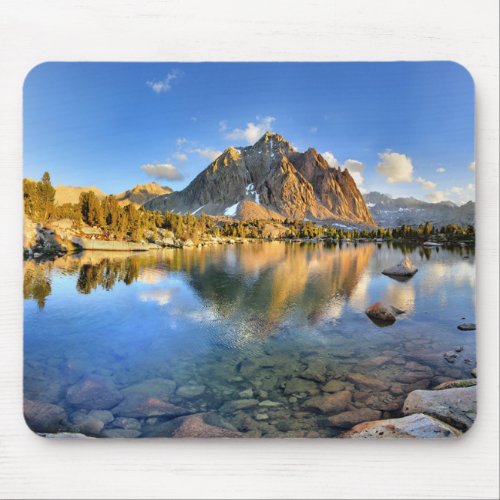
(246, 334)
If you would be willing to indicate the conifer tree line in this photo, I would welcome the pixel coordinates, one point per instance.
(131, 223)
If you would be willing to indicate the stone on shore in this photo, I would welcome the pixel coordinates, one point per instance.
(404, 269)
(349, 418)
(94, 393)
(44, 417)
(456, 407)
(413, 426)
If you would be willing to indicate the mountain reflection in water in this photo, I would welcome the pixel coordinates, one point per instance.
(204, 316)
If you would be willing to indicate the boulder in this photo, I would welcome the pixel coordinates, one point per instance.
(404, 269)
(87, 424)
(413, 426)
(104, 416)
(94, 393)
(366, 383)
(329, 403)
(457, 406)
(44, 417)
(383, 314)
(347, 419)
(465, 327)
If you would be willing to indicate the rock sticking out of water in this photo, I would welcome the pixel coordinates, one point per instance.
(413, 426)
(383, 314)
(404, 269)
(466, 327)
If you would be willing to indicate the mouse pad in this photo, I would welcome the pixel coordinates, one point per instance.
(263, 250)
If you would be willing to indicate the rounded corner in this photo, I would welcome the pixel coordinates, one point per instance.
(33, 70)
(466, 72)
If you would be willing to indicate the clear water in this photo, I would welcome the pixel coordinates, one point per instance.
(233, 318)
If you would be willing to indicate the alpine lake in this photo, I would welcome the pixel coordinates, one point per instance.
(250, 337)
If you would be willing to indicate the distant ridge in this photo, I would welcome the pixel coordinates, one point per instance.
(71, 194)
(392, 212)
(142, 193)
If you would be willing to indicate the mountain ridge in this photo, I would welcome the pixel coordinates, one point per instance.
(273, 175)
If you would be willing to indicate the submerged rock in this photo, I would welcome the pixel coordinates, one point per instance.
(44, 417)
(349, 418)
(465, 327)
(367, 383)
(451, 384)
(456, 406)
(383, 314)
(299, 386)
(316, 370)
(238, 404)
(161, 388)
(87, 424)
(404, 269)
(190, 391)
(121, 433)
(413, 426)
(329, 403)
(141, 406)
(94, 393)
(334, 386)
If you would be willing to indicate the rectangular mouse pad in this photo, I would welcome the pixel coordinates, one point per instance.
(265, 250)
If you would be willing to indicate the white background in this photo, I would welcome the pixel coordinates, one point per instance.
(76, 30)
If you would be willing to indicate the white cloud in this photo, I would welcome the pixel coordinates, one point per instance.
(356, 169)
(436, 196)
(208, 153)
(180, 141)
(330, 159)
(440, 170)
(396, 167)
(425, 183)
(457, 194)
(164, 85)
(182, 157)
(313, 130)
(251, 133)
(472, 166)
(162, 171)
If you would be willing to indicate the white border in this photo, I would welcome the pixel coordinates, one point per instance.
(222, 30)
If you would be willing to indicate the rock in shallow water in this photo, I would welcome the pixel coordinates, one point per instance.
(349, 418)
(299, 386)
(466, 327)
(404, 269)
(141, 406)
(44, 417)
(94, 393)
(456, 407)
(329, 403)
(190, 391)
(383, 314)
(367, 383)
(413, 426)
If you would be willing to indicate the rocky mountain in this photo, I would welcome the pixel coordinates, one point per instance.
(142, 193)
(270, 178)
(71, 194)
(391, 212)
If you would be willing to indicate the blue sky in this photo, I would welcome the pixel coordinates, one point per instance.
(406, 129)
